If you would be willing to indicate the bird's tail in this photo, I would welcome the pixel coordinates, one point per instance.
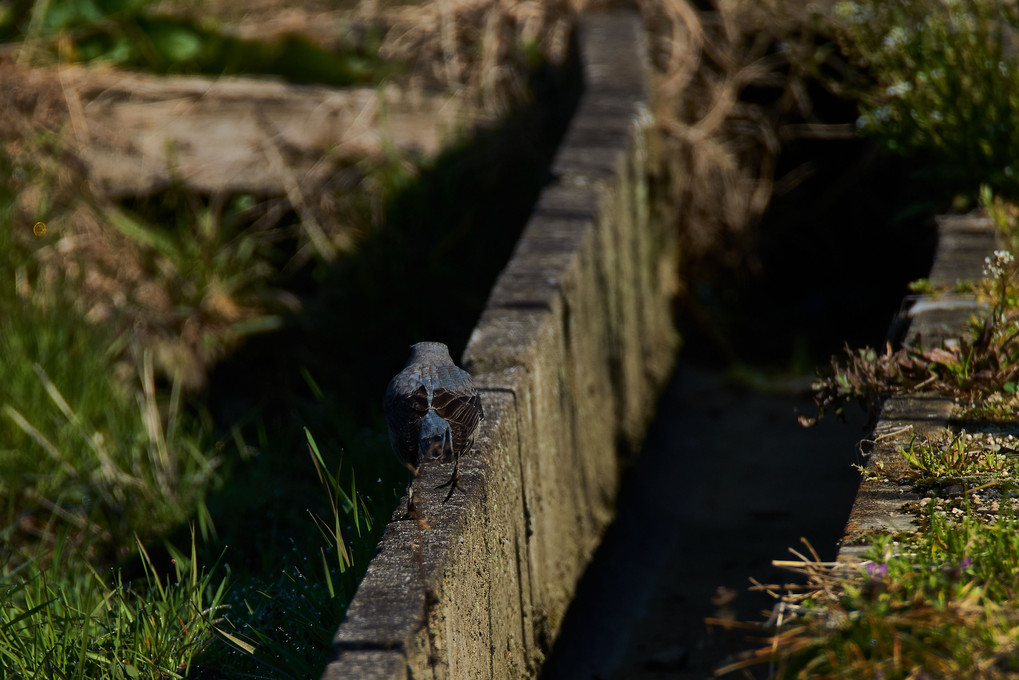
(435, 438)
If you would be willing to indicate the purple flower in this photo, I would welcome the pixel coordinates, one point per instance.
(877, 570)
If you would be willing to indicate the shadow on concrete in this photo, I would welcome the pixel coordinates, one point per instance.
(727, 482)
(424, 274)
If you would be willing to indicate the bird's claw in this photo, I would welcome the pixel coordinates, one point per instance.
(453, 484)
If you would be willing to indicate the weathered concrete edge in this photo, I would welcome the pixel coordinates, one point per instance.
(570, 353)
(930, 320)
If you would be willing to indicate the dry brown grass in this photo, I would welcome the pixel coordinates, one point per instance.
(474, 46)
(732, 89)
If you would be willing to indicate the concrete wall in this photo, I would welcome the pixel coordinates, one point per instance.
(570, 354)
(926, 320)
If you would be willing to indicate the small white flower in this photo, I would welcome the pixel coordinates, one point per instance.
(898, 89)
(895, 37)
(995, 267)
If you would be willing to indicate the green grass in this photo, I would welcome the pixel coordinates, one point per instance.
(65, 620)
(282, 626)
(94, 462)
(106, 452)
(99, 461)
(126, 34)
(963, 457)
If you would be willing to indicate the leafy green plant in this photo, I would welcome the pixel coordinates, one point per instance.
(125, 33)
(175, 45)
(29, 19)
(942, 80)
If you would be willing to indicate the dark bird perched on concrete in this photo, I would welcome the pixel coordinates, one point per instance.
(433, 411)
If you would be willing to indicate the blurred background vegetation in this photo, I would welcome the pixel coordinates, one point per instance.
(193, 370)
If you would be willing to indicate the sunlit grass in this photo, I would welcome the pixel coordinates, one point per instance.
(963, 455)
(88, 443)
(94, 462)
(66, 620)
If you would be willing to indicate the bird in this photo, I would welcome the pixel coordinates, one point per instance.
(433, 412)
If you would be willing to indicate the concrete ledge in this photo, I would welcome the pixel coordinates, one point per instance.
(570, 353)
(931, 320)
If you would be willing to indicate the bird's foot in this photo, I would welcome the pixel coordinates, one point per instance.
(411, 513)
(412, 507)
(453, 484)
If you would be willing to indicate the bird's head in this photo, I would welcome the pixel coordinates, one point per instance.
(435, 439)
(429, 351)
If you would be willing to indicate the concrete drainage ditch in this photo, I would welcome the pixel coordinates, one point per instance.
(574, 345)
(928, 320)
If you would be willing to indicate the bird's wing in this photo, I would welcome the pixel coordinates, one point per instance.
(461, 408)
(403, 411)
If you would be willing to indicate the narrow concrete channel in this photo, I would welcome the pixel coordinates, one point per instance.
(727, 482)
(574, 343)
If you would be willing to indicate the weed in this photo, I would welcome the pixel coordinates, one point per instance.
(939, 79)
(961, 456)
(942, 605)
(979, 365)
(923, 287)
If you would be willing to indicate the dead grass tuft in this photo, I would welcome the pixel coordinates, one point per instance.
(732, 89)
(475, 46)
